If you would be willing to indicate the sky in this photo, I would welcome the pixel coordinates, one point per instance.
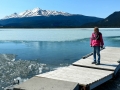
(97, 8)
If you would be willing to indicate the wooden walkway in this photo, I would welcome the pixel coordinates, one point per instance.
(109, 58)
(81, 75)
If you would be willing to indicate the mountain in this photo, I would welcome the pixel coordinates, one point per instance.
(0, 25)
(38, 18)
(36, 12)
(113, 20)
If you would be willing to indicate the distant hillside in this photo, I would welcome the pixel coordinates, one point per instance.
(1, 26)
(112, 20)
(38, 18)
(57, 21)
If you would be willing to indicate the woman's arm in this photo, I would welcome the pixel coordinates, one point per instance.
(101, 40)
(91, 38)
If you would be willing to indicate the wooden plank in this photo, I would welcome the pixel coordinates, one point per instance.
(105, 65)
(116, 70)
(112, 48)
(109, 59)
(39, 83)
(83, 76)
(101, 81)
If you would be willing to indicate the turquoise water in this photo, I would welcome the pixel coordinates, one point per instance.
(52, 34)
(51, 48)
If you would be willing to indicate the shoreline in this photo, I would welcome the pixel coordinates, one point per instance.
(62, 28)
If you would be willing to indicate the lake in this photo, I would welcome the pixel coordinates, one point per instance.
(42, 50)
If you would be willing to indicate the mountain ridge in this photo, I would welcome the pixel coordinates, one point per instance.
(113, 20)
(58, 21)
(38, 18)
(36, 12)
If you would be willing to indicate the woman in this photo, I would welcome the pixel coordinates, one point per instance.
(96, 42)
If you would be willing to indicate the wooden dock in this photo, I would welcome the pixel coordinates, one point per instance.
(81, 75)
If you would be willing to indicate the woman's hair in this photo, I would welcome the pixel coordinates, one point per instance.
(96, 28)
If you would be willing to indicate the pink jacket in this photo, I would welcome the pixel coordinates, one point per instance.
(96, 41)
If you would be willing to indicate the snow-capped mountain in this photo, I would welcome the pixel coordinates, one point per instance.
(37, 12)
(38, 18)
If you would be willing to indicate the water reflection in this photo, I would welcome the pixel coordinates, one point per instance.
(45, 55)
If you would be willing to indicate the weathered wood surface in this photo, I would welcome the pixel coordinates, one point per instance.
(109, 58)
(79, 75)
(39, 83)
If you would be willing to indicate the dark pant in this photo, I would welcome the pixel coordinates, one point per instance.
(96, 50)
